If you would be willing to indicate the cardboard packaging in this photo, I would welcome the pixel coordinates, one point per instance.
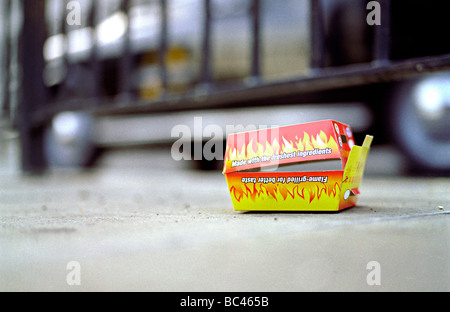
(307, 167)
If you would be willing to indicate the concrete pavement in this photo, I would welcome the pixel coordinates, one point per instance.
(140, 222)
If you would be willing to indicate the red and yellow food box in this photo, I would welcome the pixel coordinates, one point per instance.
(307, 167)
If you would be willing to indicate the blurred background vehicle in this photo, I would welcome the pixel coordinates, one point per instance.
(79, 77)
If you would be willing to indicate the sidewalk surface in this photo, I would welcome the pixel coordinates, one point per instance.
(140, 222)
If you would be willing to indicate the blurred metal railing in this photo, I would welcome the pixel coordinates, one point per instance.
(11, 16)
(41, 102)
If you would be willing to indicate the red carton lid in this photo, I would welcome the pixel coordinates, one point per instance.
(320, 140)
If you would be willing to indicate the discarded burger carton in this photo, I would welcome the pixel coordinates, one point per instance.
(307, 167)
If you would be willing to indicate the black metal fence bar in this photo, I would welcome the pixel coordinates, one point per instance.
(63, 28)
(206, 74)
(13, 62)
(382, 33)
(35, 96)
(95, 58)
(126, 61)
(255, 70)
(163, 48)
(4, 57)
(317, 35)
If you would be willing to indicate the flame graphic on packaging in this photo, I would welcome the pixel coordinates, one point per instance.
(308, 192)
(307, 143)
(281, 192)
(263, 147)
